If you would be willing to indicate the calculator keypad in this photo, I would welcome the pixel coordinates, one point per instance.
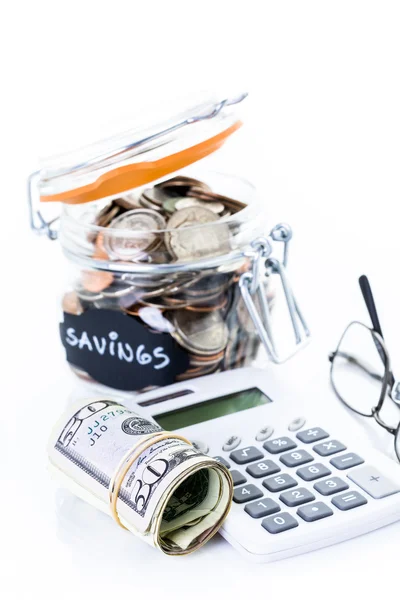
(298, 457)
(371, 481)
(246, 455)
(329, 447)
(280, 444)
(312, 472)
(262, 508)
(263, 468)
(345, 461)
(237, 477)
(349, 500)
(283, 489)
(279, 483)
(309, 436)
(280, 523)
(297, 497)
(246, 493)
(315, 512)
(330, 486)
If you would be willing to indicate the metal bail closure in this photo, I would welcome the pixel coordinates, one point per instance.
(37, 221)
(252, 290)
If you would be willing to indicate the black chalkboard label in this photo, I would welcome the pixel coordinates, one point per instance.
(119, 351)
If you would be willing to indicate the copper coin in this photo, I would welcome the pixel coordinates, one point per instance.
(229, 203)
(99, 249)
(126, 203)
(161, 304)
(197, 308)
(197, 372)
(175, 302)
(71, 304)
(181, 185)
(107, 214)
(133, 310)
(96, 281)
(197, 361)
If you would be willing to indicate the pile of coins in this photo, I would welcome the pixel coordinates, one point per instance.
(181, 219)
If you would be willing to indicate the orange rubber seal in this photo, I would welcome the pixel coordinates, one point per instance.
(128, 177)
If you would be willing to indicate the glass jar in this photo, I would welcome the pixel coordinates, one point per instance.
(171, 272)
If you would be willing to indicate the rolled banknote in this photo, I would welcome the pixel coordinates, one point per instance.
(152, 482)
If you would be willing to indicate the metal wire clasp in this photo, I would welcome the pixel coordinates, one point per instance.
(37, 221)
(252, 290)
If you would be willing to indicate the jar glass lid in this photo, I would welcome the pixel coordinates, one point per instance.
(140, 154)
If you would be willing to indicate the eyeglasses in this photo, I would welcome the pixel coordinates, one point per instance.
(360, 368)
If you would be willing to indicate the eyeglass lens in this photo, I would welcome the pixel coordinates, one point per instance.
(358, 369)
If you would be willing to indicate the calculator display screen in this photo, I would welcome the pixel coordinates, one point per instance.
(211, 409)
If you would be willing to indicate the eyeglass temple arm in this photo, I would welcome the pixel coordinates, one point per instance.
(373, 313)
(370, 303)
(354, 361)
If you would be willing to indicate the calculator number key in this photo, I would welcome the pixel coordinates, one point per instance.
(297, 497)
(282, 522)
(331, 486)
(349, 500)
(312, 472)
(262, 508)
(279, 445)
(246, 493)
(279, 483)
(246, 455)
(298, 457)
(262, 469)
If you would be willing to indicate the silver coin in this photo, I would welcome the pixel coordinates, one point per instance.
(147, 204)
(192, 238)
(215, 207)
(202, 334)
(133, 234)
(155, 195)
(87, 296)
(117, 290)
(169, 206)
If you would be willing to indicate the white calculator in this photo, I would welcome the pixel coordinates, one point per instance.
(299, 485)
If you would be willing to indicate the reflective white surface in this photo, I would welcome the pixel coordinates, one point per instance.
(324, 131)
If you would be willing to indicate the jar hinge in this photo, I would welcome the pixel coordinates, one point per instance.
(251, 286)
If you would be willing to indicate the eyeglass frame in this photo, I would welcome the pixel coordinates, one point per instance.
(389, 385)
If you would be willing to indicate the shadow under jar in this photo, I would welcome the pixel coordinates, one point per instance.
(156, 286)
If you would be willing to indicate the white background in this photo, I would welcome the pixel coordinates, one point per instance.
(323, 146)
